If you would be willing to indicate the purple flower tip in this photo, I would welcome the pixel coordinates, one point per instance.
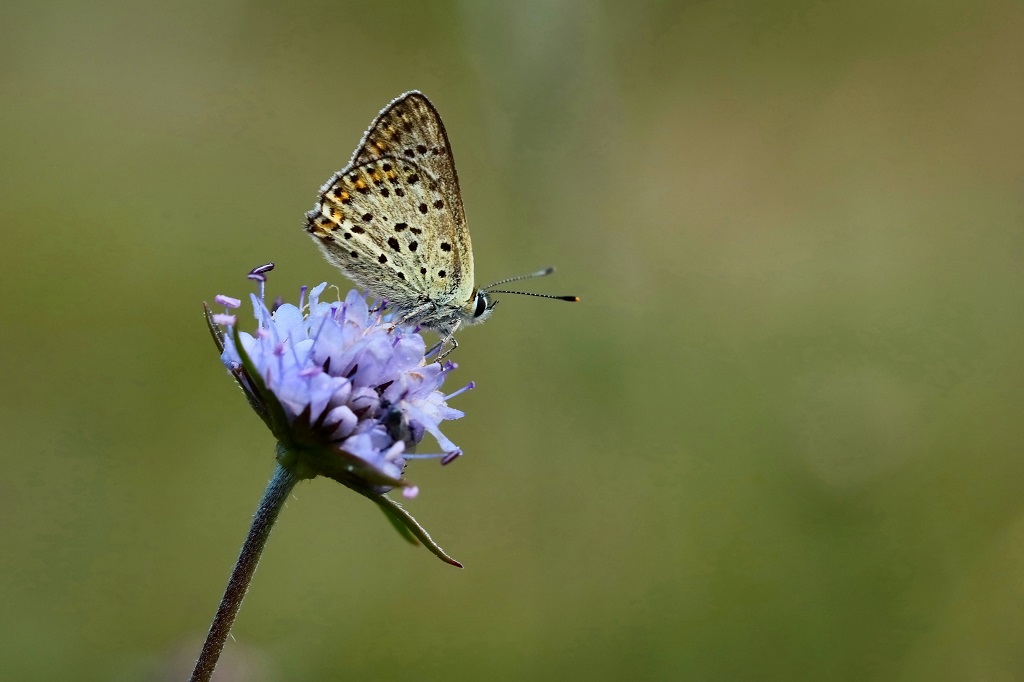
(451, 457)
(350, 388)
(259, 273)
(468, 387)
(227, 301)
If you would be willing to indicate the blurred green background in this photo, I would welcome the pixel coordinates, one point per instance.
(779, 439)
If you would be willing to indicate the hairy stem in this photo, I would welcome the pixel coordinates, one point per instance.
(277, 492)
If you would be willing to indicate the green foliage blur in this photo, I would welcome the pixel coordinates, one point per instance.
(779, 439)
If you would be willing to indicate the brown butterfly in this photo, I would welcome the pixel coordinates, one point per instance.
(393, 221)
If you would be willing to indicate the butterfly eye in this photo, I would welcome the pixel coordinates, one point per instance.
(481, 304)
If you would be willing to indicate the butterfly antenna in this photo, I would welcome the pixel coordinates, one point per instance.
(574, 299)
(540, 273)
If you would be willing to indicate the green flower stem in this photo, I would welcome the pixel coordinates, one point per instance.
(277, 492)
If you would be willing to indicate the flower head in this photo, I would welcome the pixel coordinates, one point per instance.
(347, 394)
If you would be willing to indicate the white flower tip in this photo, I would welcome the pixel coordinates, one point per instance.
(410, 492)
(223, 319)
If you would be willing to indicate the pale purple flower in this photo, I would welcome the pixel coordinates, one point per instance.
(347, 395)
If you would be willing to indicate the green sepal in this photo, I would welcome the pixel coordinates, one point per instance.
(215, 330)
(239, 373)
(406, 534)
(294, 462)
(272, 413)
(410, 529)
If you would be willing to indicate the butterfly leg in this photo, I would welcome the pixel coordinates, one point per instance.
(455, 344)
(433, 349)
(450, 336)
(411, 315)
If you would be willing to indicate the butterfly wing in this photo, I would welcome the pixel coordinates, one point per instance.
(409, 128)
(387, 224)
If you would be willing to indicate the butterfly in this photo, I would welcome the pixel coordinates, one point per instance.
(393, 222)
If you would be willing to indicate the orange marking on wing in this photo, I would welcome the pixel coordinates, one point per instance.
(321, 227)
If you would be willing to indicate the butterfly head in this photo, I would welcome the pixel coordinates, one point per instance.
(481, 306)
